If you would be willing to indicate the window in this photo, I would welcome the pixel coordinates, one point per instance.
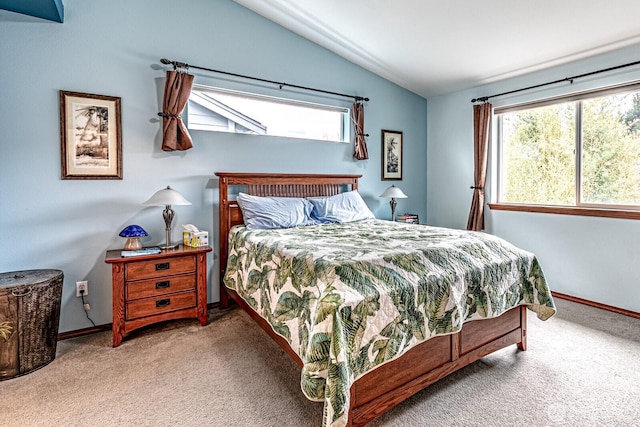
(237, 112)
(581, 151)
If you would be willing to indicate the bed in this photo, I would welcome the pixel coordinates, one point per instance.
(371, 310)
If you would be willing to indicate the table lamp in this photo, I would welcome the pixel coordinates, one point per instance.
(167, 197)
(395, 193)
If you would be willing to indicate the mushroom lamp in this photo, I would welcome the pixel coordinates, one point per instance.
(133, 234)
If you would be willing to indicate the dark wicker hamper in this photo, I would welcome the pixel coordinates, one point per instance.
(29, 317)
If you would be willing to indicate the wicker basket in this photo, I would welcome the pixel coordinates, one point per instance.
(29, 317)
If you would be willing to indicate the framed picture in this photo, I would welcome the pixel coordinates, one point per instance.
(90, 136)
(391, 155)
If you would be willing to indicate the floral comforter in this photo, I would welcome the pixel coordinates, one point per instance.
(350, 297)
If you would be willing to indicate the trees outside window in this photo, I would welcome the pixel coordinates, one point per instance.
(582, 152)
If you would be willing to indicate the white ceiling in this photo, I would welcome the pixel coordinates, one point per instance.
(435, 47)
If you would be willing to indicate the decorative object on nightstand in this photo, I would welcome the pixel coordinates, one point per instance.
(395, 193)
(409, 218)
(167, 197)
(133, 233)
(148, 289)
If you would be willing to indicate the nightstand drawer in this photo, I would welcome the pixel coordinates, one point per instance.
(161, 304)
(160, 286)
(160, 267)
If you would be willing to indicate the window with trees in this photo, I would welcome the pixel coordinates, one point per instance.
(580, 151)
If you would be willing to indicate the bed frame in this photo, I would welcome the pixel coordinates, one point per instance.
(381, 389)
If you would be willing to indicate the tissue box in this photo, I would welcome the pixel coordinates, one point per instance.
(195, 238)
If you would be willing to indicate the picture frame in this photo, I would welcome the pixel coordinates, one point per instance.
(391, 155)
(90, 136)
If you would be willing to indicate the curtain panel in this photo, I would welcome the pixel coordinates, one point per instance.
(481, 120)
(175, 136)
(357, 117)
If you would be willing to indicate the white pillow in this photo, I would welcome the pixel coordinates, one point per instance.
(343, 207)
(263, 213)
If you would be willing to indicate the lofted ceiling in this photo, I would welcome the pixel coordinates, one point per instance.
(435, 47)
(51, 10)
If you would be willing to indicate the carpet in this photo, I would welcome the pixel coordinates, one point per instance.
(582, 368)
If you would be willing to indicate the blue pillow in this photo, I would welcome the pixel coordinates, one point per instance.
(343, 207)
(263, 213)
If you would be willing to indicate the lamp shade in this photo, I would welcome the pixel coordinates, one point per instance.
(394, 192)
(133, 231)
(167, 196)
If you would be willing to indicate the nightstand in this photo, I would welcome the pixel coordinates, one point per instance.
(153, 288)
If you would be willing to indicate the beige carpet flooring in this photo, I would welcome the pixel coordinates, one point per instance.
(582, 369)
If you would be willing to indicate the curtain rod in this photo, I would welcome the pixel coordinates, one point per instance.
(566, 79)
(177, 64)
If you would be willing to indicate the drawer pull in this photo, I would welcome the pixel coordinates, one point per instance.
(163, 302)
(163, 285)
(162, 266)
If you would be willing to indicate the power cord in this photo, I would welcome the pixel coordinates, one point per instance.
(86, 307)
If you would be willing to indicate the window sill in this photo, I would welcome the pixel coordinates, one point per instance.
(567, 210)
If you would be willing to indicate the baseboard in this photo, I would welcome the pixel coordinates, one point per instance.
(84, 331)
(596, 304)
(105, 327)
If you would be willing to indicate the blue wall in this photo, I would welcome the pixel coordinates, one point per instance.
(592, 258)
(113, 48)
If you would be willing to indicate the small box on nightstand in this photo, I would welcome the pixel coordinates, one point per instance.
(195, 239)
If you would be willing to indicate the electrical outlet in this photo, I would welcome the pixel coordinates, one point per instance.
(82, 288)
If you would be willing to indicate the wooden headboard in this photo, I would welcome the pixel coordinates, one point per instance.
(274, 185)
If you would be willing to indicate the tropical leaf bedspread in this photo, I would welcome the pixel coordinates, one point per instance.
(350, 297)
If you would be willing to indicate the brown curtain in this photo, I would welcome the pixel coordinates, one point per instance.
(177, 89)
(360, 151)
(481, 119)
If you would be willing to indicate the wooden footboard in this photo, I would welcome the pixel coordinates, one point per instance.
(381, 389)
(390, 384)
